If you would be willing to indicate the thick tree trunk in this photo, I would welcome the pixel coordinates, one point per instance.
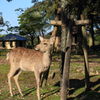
(63, 47)
(86, 63)
(66, 51)
(66, 68)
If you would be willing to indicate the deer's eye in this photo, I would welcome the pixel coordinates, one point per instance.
(45, 43)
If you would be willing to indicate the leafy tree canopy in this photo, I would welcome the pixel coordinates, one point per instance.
(36, 18)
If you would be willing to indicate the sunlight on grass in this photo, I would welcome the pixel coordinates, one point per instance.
(4, 68)
(78, 91)
(51, 91)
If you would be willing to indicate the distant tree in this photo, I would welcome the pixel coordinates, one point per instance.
(14, 29)
(72, 10)
(32, 23)
(5, 27)
(36, 20)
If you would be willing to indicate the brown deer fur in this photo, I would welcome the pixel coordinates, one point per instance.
(22, 59)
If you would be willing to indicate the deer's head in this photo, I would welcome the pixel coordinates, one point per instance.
(45, 44)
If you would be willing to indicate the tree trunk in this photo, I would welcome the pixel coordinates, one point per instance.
(63, 46)
(66, 51)
(85, 51)
(66, 69)
(86, 63)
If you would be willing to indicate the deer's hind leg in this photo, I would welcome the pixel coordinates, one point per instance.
(13, 72)
(16, 81)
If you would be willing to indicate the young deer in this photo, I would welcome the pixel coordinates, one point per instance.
(22, 59)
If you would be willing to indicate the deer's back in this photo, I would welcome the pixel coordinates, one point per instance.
(26, 59)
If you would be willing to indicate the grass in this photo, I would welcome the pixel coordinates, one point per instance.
(52, 90)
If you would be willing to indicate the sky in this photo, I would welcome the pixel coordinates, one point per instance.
(8, 9)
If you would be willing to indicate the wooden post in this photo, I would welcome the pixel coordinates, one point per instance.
(85, 51)
(53, 22)
(57, 17)
(54, 32)
(66, 68)
(66, 51)
(82, 22)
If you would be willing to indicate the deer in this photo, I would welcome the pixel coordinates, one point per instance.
(36, 60)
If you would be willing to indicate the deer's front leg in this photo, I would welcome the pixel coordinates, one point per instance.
(37, 76)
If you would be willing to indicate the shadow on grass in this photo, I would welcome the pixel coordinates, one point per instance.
(44, 95)
(87, 95)
(78, 86)
(75, 86)
(26, 92)
(47, 94)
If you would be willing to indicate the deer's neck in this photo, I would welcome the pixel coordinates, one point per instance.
(46, 59)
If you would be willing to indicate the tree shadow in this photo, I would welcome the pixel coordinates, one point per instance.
(95, 51)
(28, 91)
(76, 84)
(47, 94)
(86, 95)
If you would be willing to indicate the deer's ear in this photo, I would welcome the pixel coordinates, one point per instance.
(41, 38)
(52, 40)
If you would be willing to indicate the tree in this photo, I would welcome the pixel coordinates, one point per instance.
(5, 27)
(36, 20)
(32, 23)
(72, 10)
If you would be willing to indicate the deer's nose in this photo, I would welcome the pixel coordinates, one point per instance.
(36, 48)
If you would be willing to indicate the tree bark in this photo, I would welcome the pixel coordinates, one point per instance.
(63, 47)
(66, 69)
(85, 51)
(66, 51)
(86, 63)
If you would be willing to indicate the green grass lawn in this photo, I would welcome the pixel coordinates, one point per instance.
(52, 90)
